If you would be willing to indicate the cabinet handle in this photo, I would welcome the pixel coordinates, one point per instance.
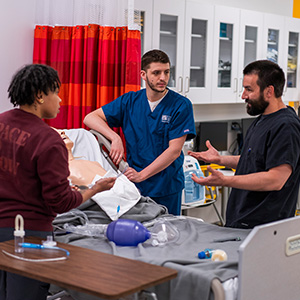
(187, 84)
(235, 85)
(180, 79)
(241, 88)
(241, 85)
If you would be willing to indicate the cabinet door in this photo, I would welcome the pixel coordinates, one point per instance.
(250, 43)
(273, 38)
(145, 9)
(168, 36)
(198, 52)
(225, 53)
(291, 64)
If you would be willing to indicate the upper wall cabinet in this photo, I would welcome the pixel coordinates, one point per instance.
(168, 35)
(291, 64)
(209, 46)
(198, 42)
(145, 9)
(225, 53)
(273, 38)
(184, 30)
(237, 42)
(250, 43)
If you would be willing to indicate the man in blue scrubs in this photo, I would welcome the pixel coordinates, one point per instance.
(266, 182)
(156, 122)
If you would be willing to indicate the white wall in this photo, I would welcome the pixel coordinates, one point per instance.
(17, 21)
(16, 36)
(280, 7)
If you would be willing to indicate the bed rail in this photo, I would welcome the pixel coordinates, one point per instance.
(105, 145)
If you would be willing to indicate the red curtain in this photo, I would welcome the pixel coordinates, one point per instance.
(96, 65)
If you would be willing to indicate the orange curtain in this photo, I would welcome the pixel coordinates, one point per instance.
(96, 65)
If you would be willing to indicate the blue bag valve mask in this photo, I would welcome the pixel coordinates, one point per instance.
(125, 232)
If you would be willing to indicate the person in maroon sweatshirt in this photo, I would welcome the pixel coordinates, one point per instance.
(34, 169)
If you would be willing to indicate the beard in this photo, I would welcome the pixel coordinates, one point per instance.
(152, 87)
(257, 107)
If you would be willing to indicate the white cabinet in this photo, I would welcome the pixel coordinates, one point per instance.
(145, 9)
(184, 30)
(291, 64)
(209, 46)
(273, 38)
(250, 43)
(168, 35)
(225, 53)
(237, 42)
(197, 59)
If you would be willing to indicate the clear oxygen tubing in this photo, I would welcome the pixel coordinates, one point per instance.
(34, 259)
(161, 231)
(48, 244)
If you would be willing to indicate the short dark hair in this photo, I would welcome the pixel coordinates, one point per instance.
(31, 80)
(269, 73)
(154, 56)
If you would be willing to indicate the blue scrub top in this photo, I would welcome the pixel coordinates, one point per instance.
(147, 135)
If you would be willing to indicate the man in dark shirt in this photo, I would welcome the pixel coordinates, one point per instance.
(266, 182)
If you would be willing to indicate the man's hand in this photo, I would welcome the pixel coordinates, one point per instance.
(210, 156)
(133, 175)
(215, 179)
(117, 150)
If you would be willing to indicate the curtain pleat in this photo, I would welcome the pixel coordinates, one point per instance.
(96, 64)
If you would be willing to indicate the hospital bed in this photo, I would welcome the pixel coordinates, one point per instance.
(197, 279)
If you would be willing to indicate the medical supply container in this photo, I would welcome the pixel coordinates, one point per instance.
(193, 192)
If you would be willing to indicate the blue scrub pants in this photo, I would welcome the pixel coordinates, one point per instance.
(17, 287)
(172, 202)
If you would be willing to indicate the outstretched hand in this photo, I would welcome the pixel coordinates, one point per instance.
(210, 156)
(104, 184)
(100, 185)
(216, 178)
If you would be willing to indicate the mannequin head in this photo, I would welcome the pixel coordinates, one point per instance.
(66, 139)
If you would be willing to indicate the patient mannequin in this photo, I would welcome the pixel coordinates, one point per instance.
(82, 172)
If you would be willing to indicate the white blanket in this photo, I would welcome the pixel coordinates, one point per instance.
(124, 194)
(86, 146)
(119, 199)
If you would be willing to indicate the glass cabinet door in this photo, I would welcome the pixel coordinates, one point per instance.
(291, 64)
(168, 42)
(250, 44)
(273, 42)
(225, 55)
(273, 38)
(250, 48)
(143, 9)
(168, 36)
(197, 58)
(292, 61)
(198, 53)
